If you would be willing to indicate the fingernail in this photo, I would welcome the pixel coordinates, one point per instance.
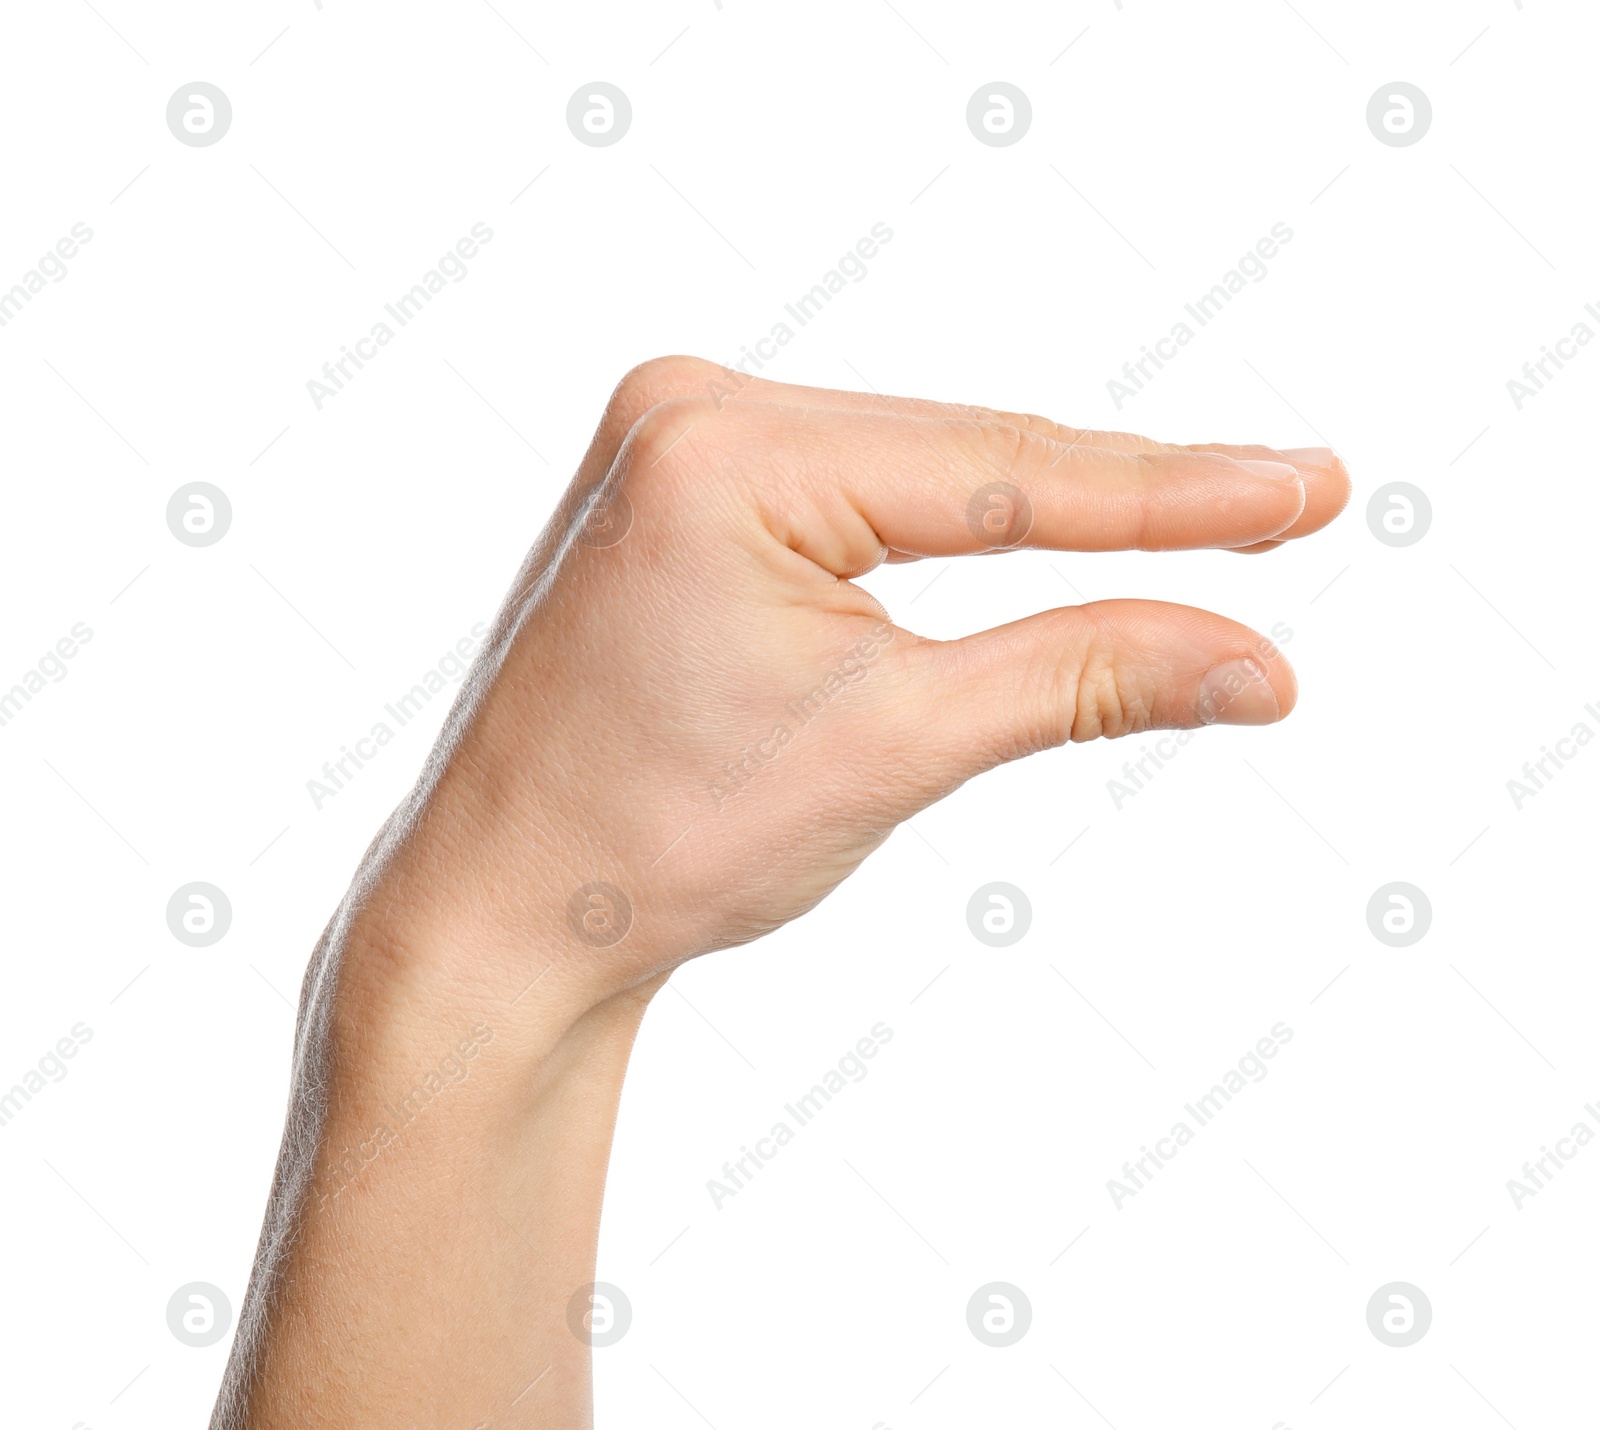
(1237, 692)
(1311, 456)
(1279, 471)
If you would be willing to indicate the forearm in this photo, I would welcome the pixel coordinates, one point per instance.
(438, 1198)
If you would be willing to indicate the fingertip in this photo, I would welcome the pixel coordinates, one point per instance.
(1316, 459)
(1245, 691)
(1322, 474)
(1284, 490)
(1285, 683)
(1328, 487)
(1277, 471)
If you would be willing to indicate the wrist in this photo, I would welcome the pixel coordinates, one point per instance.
(434, 1073)
(409, 996)
(490, 886)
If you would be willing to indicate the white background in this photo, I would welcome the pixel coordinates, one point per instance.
(1227, 896)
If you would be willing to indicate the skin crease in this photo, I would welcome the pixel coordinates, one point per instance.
(421, 1249)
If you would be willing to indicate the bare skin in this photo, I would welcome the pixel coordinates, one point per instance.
(466, 1021)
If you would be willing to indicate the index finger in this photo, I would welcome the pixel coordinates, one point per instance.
(841, 487)
(665, 379)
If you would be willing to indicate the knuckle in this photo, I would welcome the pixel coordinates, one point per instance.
(993, 451)
(1037, 426)
(1144, 533)
(658, 434)
(1085, 687)
(1093, 702)
(659, 378)
(1054, 680)
(1014, 451)
(1000, 444)
(652, 382)
(1106, 705)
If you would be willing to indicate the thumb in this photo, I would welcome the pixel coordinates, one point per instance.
(1079, 673)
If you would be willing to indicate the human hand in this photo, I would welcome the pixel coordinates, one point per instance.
(688, 725)
(691, 703)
